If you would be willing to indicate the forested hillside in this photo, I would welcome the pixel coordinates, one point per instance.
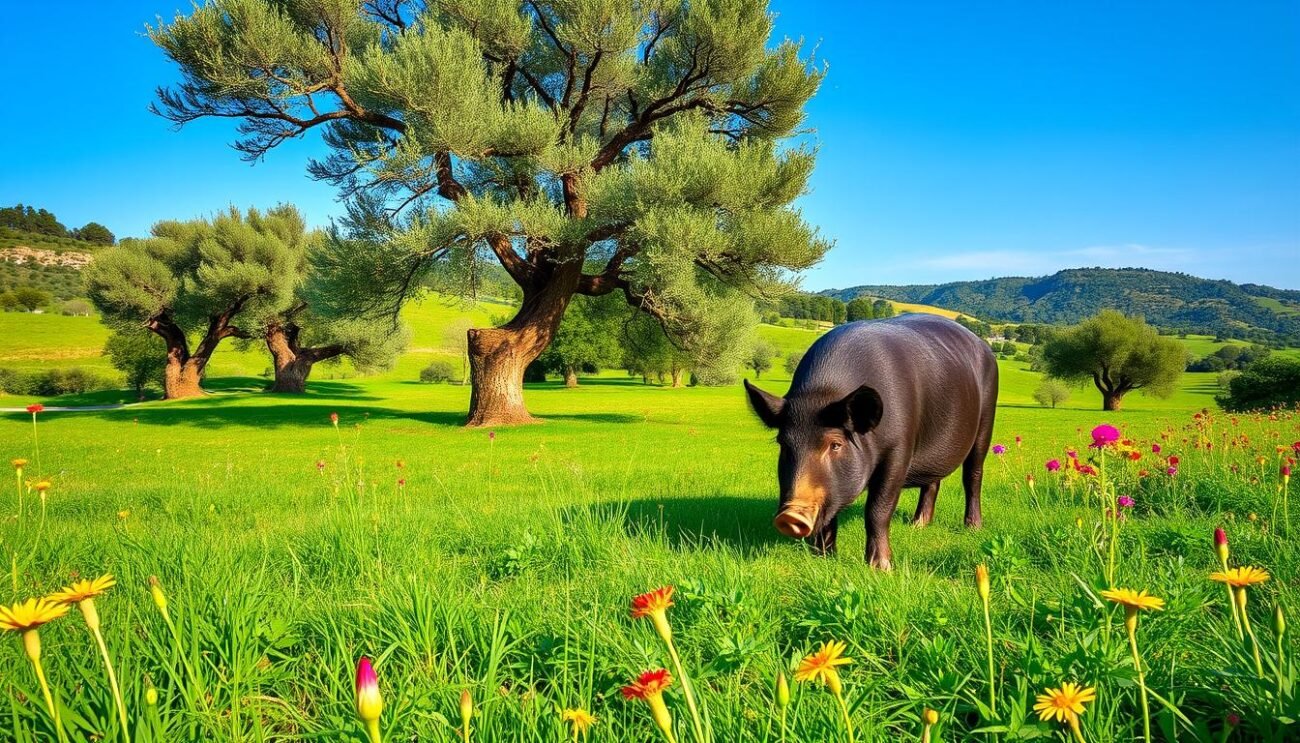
(1175, 302)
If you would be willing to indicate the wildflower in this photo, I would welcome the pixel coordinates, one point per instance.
(83, 593)
(35, 408)
(159, 598)
(320, 465)
(492, 435)
(982, 586)
(999, 449)
(334, 419)
(820, 667)
(580, 719)
(649, 687)
(18, 465)
(1018, 441)
(783, 689)
(1221, 546)
(1053, 465)
(1155, 448)
(370, 704)
(1286, 474)
(1125, 501)
(1240, 577)
(1104, 435)
(1065, 705)
(466, 712)
(1171, 470)
(27, 618)
(1078, 522)
(41, 486)
(1029, 479)
(654, 604)
(928, 720)
(150, 692)
(123, 515)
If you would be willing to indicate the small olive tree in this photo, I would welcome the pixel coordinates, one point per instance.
(1118, 354)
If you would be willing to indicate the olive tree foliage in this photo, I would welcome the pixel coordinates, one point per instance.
(140, 355)
(1051, 392)
(203, 280)
(589, 147)
(587, 339)
(1118, 354)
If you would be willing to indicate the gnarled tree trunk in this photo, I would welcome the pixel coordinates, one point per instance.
(183, 374)
(499, 356)
(570, 376)
(677, 372)
(1112, 390)
(182, 378)
(292, 362)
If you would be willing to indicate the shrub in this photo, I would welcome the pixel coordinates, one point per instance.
(1273, 381)
(1051, 392)
(792, 361)
(52, 382)
(440, 370)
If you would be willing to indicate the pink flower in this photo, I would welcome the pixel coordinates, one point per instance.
(1172, 470)
(1155, 448)
(1104, 435)
(1053, 465)
(1072, 454)
(1124, 501)
(999, 449)
(369, 702)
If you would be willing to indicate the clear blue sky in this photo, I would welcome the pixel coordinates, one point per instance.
(957, 140)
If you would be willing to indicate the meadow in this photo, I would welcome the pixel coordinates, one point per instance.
(503, 563)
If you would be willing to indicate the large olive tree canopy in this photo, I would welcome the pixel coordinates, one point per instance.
(641, 138)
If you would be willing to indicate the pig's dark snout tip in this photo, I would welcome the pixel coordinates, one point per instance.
(794, 523)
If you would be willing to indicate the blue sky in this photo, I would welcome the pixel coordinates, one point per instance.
(956, 140)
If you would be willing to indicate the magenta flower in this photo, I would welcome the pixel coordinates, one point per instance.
(999, 449)
(1155, 448)
(1125, 501)
(1053, 465)
(1171, 471)
(1103, 435)
(1072, 454)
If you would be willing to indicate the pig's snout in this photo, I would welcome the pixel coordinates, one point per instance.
(796, 522)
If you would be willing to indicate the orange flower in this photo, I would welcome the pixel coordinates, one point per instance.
(650, 686)
(655, 605)
(820, 666)
(649, 683)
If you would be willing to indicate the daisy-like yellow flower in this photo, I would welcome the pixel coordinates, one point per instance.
(18, 463)
(1127, 597)
(41, 486)
(84, 589)
(1065, 705)
(820, 666)
(1241, 577)
(30, 614)
(579, 719)
(27, 618)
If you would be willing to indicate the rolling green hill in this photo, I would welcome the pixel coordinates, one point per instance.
(1171, 301)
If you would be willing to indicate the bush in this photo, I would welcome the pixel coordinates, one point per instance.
(792, 361)
(440, 370)
(1273, 381)
(52, 382)
(1051, 392)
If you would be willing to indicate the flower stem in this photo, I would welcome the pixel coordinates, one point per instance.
(112, 683)
(1250, 631)
(1142, 684)
(36, 445)
(32, 643)
(988, 637)
(1074, 728)
(372, 730)
(1232, 604)
(686, 687)
(783, 709)
(844, 711)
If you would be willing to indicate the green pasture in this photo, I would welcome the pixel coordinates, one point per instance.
(504, 561)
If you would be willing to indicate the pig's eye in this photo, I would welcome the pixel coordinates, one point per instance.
(836, 446)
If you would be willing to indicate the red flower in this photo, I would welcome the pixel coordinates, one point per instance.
(1173, 461)
(35, 408)
(656, 601)
(334, 418)
(648, 684)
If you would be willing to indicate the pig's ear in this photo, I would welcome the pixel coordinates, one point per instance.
(859, 412)
(767, 405)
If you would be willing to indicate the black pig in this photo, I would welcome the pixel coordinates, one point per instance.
(880, 405)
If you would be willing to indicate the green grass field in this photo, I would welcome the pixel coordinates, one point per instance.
(504, 565)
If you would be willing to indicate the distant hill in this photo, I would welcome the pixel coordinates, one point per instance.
(47, 262)
(1175, 302)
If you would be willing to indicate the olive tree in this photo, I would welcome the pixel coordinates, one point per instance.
(589, 147)
(207, 280)
(1119, 354)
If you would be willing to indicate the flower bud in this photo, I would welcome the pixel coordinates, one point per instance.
(1221, 545)
(1279, 622)
(982, 580)
(783, 689)
(929, 716)
(370, 704)
(159, 598)
(466, 708)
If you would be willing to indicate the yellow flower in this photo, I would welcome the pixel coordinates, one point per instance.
(84, 589)
(18, 463)
(1064, 704)
(579, 718)
(820, 666)
(1240, 577)
(1131, 599)
(982, 580)
(929, 716)
(41, 486)
(30, 614)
